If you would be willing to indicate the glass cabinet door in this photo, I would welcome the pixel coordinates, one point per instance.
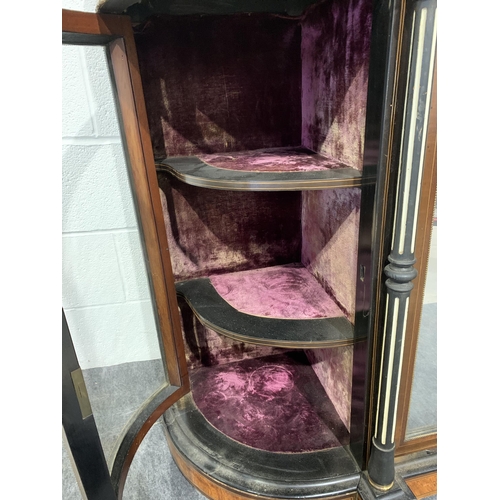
(106, 297)
(116, 296)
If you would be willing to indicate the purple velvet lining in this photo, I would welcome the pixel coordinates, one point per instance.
(333, 367)
(217, 85)
(335, 55)
(204, 347)
(330, 227)
(211, 231)
(221, 83)
(272, 160)
(274, 403)
(289, 292)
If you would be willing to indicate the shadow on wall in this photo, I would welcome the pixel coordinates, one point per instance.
(105, 280)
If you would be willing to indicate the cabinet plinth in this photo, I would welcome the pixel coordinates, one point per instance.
(197, 445)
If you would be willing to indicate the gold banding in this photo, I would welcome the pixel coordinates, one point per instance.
(314, 344)
(378, 486)
(267, 185)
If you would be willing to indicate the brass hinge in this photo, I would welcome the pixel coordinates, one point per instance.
(81, 393)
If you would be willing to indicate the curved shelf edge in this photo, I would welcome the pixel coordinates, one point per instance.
(218, 315)
(191, 170)
(249, 472)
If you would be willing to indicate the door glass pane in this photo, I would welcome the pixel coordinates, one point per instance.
(106, 293)
(422, 416)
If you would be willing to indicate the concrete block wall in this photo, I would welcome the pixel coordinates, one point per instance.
(106, 295)
(81, 5)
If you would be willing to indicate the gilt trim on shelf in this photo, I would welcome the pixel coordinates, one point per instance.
(192, 170)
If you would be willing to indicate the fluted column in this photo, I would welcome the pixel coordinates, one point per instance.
(419, 48)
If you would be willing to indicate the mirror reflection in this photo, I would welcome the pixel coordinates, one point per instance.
(422, 416)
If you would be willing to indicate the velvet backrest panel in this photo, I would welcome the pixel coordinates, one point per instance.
(211, 231)
(221, 83)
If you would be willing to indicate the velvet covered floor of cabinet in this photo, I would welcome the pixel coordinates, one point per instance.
(273, 403)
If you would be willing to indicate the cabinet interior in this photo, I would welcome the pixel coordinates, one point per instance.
(264, 92)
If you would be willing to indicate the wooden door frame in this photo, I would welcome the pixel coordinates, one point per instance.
(115, 33)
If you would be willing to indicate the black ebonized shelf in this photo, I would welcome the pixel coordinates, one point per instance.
(217, 314)
(318, 474)
(334, 174)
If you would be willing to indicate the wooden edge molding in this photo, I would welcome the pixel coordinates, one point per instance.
(417, 444)
(215, 490)
(193, 171)
(89, 23)
(218, 315)
(132, 437)
(115, 33)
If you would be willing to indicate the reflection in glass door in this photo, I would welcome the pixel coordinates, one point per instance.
(422, 416)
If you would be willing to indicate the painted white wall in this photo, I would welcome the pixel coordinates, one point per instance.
(106, 295)
(82, 5)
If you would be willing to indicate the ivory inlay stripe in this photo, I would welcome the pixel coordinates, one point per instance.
(404, 120)
(388, 385)
(412, 131)
(407, 302)
(424, 134)
(381, 366)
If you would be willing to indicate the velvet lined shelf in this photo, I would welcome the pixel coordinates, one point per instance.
(244, 414)
(280, 306)
(271, 169)
(259, 472)
(258, 130)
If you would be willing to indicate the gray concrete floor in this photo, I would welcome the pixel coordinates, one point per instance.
(116, 393)
(153, 474)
